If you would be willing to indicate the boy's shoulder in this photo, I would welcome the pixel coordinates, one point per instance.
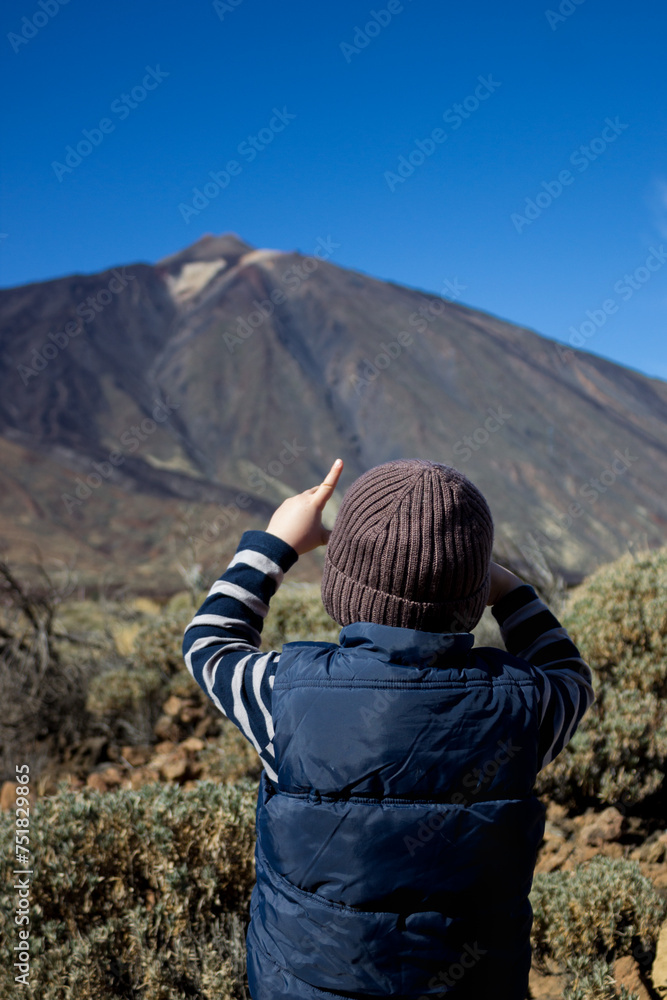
(499, 662)
(470, 663)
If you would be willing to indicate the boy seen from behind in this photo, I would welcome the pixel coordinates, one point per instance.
(397, 828)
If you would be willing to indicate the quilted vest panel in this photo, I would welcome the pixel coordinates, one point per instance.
(395, 853)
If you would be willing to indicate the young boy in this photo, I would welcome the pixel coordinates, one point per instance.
(397, 829)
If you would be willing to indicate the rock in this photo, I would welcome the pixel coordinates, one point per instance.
(172, 706)
(658, 876)
(626, 973)
(202, 728)
(8, 795)
(558, 815)
(551, 862)
(106, 779)
(113, 776)
(193, 744)
(580, 854)
(659, 970)
(166, 746)
(584, 818)
(652, 851)
(546, 987)
(556, 811)
(553, 837)
(171, 765)
(166, 728)
(136, 755)
(174, 768)
(96, 781)
(143, 776)
(191, 712)
(606, 827)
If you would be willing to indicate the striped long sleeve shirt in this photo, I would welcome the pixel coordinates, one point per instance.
(221, 649)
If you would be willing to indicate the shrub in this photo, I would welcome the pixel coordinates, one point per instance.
(618, 618)
(594, 982)
(142, 891)
(601, 910)
(297, 613)
(126, 701)
(229, 756)
(158, 643)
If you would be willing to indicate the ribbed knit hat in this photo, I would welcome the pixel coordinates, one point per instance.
(411, 546)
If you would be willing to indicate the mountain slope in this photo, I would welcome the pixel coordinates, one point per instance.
(223, 378)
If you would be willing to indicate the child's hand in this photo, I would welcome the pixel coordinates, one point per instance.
(502, 582)
(298, 520)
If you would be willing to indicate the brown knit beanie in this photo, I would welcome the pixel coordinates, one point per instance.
(411, 546)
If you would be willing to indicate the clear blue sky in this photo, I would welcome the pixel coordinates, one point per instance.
(554, 82)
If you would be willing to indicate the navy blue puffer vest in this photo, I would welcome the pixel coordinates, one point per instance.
(395, 854)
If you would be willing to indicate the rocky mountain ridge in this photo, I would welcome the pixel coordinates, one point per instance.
(151, 411)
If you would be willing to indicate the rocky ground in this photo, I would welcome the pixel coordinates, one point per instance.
(191, 744)
(570, 840)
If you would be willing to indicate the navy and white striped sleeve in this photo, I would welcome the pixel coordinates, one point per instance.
(531, 631)
(221, 643)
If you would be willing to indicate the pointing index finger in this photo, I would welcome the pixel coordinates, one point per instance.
(328, 485)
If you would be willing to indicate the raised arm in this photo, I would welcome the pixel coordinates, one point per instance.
(221, 643)
(531, 631)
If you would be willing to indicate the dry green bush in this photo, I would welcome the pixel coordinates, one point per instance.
(594, 981)
(126, 700)
(229, 756)
(603, 909)
(139, 893)
(158, 642)
(618, 618)
(297, 613)
(145, 894)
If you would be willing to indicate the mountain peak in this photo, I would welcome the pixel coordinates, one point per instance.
(228, 247)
